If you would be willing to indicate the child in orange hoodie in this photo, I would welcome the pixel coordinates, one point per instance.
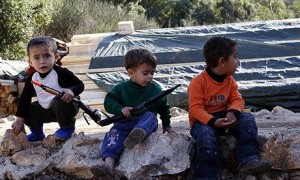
(215, 108)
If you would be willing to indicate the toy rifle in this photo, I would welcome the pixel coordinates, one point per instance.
(94, 114)
(138, 108)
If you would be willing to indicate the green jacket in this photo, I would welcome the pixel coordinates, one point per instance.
(131, 94)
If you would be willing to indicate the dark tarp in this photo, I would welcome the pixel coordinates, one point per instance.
(184, 45)
(11, 69)
(269, 52)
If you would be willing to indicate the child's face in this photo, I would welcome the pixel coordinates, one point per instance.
(231, 63)
(42, 58)
(142, 75)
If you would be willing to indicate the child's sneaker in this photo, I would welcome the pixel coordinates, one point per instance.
(37, 134)
(254, 166)
(134, 137)
(64, 133)
(101, 170)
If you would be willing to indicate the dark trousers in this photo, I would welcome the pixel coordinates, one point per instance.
(112, 145)
(61, 112)
(207, 162)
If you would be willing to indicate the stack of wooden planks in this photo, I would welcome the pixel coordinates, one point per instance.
(81, 49)
(9, 97)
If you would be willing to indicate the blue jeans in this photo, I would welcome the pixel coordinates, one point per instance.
(207, 161)
(112, 145)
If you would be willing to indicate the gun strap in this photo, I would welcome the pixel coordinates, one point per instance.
(83, 114)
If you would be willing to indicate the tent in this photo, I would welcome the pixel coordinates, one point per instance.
(268, 51)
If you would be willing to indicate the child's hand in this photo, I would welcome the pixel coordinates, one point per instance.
(169, 130)
(223, 123)
(231, 118)
(126, 111)
(68, 95)
(18, 126)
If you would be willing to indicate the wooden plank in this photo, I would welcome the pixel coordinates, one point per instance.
(77, 68)
(83, 77)
(90, 85)
(12, 99)
(76, 59)
(91, 94)
(81, 49)
(101, 70)
(94, 101)
(4, 95)
(89, 38)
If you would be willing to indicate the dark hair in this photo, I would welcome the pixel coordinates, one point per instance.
(42, 40)
(216, 48)
(136, 57)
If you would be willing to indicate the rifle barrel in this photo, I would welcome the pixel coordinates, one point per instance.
(160, 95)
(111, 120)
(120, 117)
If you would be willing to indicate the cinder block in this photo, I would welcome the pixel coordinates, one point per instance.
(125, 27)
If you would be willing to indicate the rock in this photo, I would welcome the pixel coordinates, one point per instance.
(158, 154)
(2, 120)
(283, 152)
(6, 118)
(280, 130)
(161, 154)
(12, 143)
(78, 154)
(11, 118)
(295, 174)
(31, 156)
(175, 111)
(281, 111)
(52, 142)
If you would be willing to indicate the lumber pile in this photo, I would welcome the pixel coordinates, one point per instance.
(9, 97)
(81, 50)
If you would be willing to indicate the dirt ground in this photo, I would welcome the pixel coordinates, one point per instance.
(179, 123)
(277, 118)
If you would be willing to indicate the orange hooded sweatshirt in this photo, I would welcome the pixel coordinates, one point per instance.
(207, 96)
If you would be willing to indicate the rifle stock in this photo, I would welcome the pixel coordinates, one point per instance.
(145, 104)
(94, 114)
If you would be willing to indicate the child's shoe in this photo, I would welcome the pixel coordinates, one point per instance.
(37, 134)
(101, 171)
(64, 133)
(134, 137)
(254, 166)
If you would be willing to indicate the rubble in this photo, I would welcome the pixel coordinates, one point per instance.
(160, 156)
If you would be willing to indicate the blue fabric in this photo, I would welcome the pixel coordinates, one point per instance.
(37, 134)
(207, 161)
(112, 145)
(64, 133)
(247, 138)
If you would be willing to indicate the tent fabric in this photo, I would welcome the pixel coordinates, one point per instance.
(269, 53)
(11, 69)
(264, 87)
(184, 45)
